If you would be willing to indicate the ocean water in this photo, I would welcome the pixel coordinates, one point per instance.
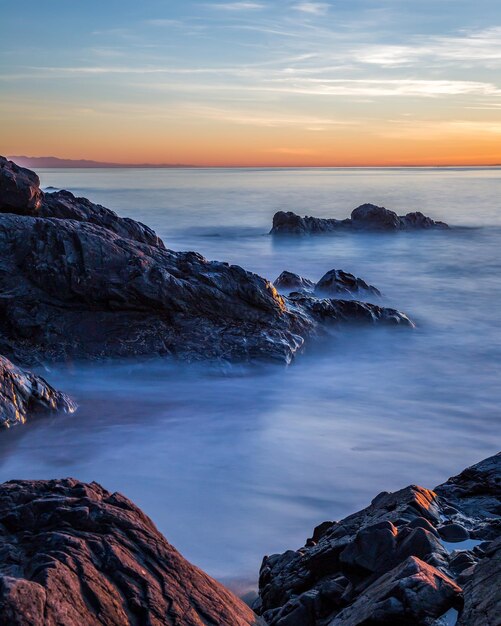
(237, 463)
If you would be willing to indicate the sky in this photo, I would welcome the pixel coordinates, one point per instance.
(254, 82)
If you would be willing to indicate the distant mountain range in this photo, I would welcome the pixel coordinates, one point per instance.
(50, 161)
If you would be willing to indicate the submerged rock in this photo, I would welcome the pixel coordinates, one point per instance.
(387, 564)
(23, 394)
(368, 217)
(72, 553)
(79, 281)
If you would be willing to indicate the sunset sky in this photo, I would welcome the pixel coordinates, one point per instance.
(345, 82)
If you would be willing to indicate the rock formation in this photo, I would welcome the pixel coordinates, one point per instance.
(79, 281)
(23, 394)
(389, 563)
(72, 553)
(367, 217)
(334, 283)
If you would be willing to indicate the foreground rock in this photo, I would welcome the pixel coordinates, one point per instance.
(22, 394)
(77, 281)
(367, 217)
(388, 563)
(334, 283)
(72, 553)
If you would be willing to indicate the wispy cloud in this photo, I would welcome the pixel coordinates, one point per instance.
(236, 6)
(314, 8)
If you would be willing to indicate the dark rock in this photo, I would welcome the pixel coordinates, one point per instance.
(337, 282)
(332, 311)
(386, 564)
(23, 394)
(287, 282)
(482, 591)
(64, 205)
(453, 532)
(73, 553)
(19, 189)
(411, 594)
(81, 282)
(368, 217)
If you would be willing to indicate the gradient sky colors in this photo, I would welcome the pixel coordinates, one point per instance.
(344, 82)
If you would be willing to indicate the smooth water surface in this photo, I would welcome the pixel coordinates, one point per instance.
(236, 463)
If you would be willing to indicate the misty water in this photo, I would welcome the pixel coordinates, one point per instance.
(233, 463)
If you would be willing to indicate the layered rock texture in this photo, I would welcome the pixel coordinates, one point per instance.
(74, 554)
(23, 394)
(76, 280)
(367, 217)
(409, 558)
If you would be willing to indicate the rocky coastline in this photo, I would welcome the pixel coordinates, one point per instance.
(74, 553)
(79, 282)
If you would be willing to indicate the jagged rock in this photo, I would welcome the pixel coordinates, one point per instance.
(332, 284)
(337, 282)
(365, 217)
(387, 564)
(333, 311)
(72, 553)
(20, 194)
(19, 189)
(287, 282)
(23, 394)
(482, 590)
(97, 285)
(64, 205)
(410, 594)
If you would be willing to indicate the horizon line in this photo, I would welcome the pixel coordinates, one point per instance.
(64, 163)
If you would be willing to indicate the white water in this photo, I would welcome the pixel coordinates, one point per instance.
(233, 465)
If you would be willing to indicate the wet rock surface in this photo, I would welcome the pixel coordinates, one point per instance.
(72, 553)
(366, 217)
(333, 283)
(77, 281)
(388, 564)
(23, 394)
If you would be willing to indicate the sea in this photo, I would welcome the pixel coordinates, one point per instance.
(236, 462)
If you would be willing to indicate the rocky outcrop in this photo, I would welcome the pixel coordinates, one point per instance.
(288, 281)
(20, 194)
(19, 189)
(72, 553)
(389, 563)
(23, 394)
(367, 217)
(334, 283)
(78, 281)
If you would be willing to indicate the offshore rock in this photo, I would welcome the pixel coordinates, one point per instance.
(23, 394)
(72, 553)
(366, 217)
(77, 281)
(333, 283)
(387, 564)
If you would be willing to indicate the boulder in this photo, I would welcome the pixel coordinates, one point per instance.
(387, 564)
(23, 394)
(287, 282)
(77, 281)
(19, 189)
(337, 282)
(366, 217)
(412, 594)
(72, 553)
